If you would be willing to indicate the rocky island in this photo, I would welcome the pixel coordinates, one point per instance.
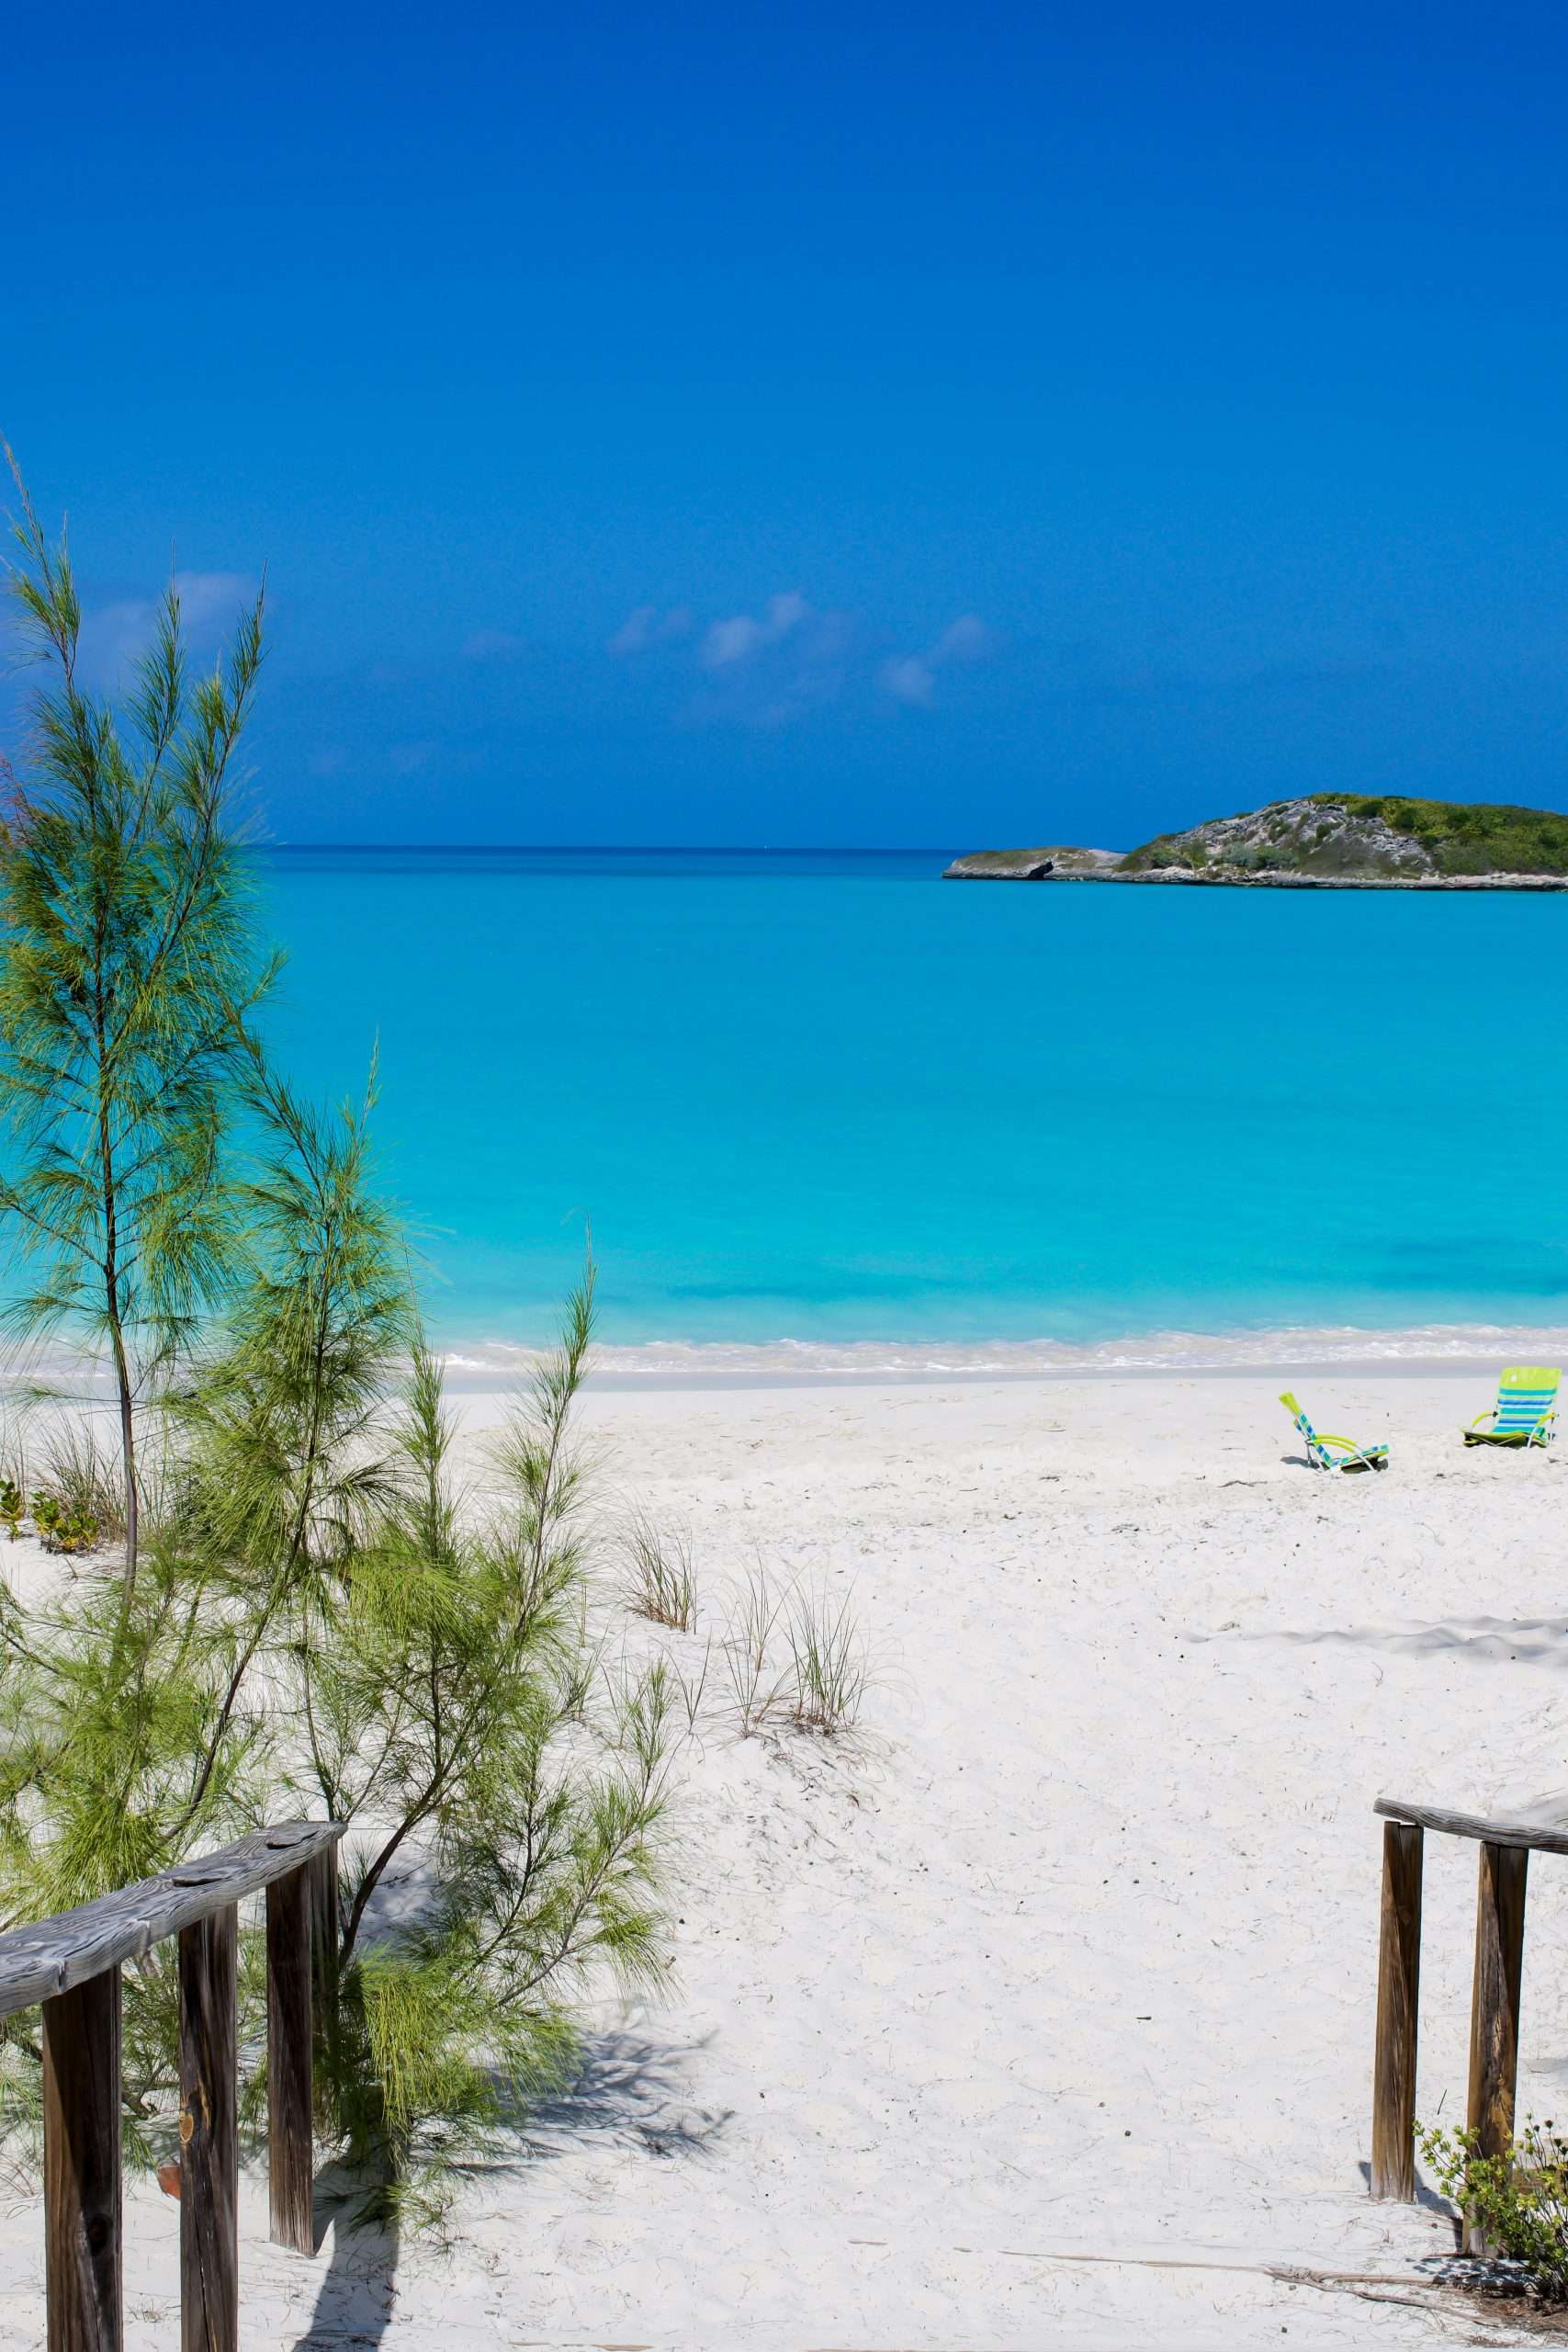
(1335, 841)
(1032, 865)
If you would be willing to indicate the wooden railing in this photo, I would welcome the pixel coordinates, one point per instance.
(72, 1965)
(1506, 1849)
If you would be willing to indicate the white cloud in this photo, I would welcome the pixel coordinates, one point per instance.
(210, 599)
(966, 639)
(647, 626)
(768, 667)
(115, 636)
(742, 639)
(907, 678)
(765, 671)
(911, 677)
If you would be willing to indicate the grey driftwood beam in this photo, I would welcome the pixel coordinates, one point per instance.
(1541, 1836)
(38, 1963)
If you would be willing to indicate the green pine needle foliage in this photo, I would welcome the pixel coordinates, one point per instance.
(319, 1614)
(126, 966)
(329, 1621)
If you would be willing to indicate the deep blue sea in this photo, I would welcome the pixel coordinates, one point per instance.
(831, 1098)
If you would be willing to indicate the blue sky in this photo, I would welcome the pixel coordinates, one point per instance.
(853, 425)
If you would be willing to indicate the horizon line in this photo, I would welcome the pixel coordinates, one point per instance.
(645, 849)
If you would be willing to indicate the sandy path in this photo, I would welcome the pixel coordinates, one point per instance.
(1072, 1953)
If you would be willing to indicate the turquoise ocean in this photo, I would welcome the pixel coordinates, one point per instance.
(825, 1108)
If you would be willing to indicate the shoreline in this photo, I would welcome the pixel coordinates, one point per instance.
(1190, 878)
(1289, 1351)
(1283, 1353)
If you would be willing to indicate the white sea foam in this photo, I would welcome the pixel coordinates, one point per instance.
(1294, 1348)
(786, 1362)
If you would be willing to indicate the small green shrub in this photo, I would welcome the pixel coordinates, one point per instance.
(1518, 2202)
(13, 1505)
(63, 1525)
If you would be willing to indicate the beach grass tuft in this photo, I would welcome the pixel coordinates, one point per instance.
(756, 1690)
(73, 1465)
(661, 1585)
(831, 1673)
(822, 1687)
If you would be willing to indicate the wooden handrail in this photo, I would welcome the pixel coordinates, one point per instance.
(1506, 1849)
(72, 1965)
(36, 1962)
(1541, 1836)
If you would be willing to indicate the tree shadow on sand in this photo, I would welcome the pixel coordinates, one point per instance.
(356, 2298)
(629, 2091)
(632, 2091)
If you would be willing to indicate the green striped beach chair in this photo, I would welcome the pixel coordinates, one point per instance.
(1525, 1410)
(1334, 1453)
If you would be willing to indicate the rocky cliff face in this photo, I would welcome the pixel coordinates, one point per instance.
(1031, 864)
(1290, 836)
(1329, 841)
(1366, 838)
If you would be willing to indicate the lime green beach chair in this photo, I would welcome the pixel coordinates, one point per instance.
(1525, 1412)
(1343, 1455)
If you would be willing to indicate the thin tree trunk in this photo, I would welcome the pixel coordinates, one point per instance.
(128, 1459)
(117, 1342)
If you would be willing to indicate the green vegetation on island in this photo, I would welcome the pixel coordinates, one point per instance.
(1346, 839)
(1373, 836)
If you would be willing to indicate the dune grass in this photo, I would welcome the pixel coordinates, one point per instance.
(661, 1585)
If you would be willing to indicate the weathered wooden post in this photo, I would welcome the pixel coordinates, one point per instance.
(290, 2147)
(323, 1957)
(1399, 1981)
(81, 2166)
(71, 1966)
(210, 2161)
(1494, 2007)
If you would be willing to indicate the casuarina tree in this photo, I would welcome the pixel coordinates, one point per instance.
(127, 962)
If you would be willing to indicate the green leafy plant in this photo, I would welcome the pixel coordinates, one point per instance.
(63, 1526)
(13, 1506)
(1518, 2202)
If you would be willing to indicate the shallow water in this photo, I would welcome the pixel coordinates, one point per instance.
(829, 1100)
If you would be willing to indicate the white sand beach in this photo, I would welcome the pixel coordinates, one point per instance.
(1040, 2011)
